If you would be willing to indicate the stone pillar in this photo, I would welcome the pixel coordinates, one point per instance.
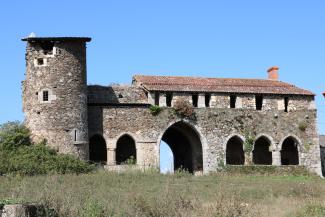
(162, 99)
(201, 101)
(151, 98)
(147, 155)
(276, 158)
(111, 156)
(220, 101)
(239, 103)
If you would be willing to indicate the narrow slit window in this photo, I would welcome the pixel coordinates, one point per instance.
(286, 104)
(45, 96)
(233, 99)
(75, 135)
(169, 98)
(259, 102)
(195, 98)
(207, 100)
(156, 98)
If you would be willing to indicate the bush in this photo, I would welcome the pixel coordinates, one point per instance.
(19, 156)
(155, 109)
(302, 126)
(13, 135)
(184, 108)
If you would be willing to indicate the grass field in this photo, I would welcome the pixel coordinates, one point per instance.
(151, 194)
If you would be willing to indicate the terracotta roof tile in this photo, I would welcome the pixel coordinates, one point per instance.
(221, 85)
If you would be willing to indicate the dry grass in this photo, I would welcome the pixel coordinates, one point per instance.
(151, 194)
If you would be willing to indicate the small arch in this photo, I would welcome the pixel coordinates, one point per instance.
(289, 151)
(261, 153)
(234, 151)
(126, 150)
(97, 149)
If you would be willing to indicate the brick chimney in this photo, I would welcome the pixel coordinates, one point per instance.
(273, 73)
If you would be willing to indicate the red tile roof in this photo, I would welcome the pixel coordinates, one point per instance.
(220, 85)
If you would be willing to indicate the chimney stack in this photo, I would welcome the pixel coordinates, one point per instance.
(273, 73)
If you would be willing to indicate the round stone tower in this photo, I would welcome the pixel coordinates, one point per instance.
(55, 93)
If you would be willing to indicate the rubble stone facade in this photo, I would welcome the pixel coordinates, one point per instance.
(238, 121)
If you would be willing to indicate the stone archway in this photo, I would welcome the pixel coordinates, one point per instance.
(261, 152)
(97, 149)
(126, 150)
(184, 141)
(234, 151)
(289, 152)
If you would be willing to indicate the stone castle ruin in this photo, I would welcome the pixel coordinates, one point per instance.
(234, 121)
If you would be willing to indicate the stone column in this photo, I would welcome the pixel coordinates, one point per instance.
(162, 99)
(201, 101)
(151, 98)
(111, 157)
(276, 158)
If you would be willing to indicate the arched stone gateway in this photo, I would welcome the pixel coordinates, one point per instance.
(234, 151)
(97, 149)
(184, 141)
(261, 152)
(125, 150)
(289, 152)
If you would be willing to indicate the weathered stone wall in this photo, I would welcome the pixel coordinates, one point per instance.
(214, 126)
(116, 94)
(62, 120)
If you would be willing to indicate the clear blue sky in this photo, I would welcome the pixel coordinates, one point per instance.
(215, 38)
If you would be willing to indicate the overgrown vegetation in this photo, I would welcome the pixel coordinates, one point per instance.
(19, 156)
(302, 126)
(126, 194)
(155, 109)
(184, 108)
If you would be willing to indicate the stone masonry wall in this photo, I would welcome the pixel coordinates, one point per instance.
(215, 128)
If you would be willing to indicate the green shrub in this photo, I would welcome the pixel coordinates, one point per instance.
(155, 109)
(13, 135)
(19, 156)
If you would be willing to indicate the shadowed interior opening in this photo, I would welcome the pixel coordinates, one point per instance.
(97, 149)
(186, 146)
(261, 152)
(289, 152)
(234, 151)
(125, 150)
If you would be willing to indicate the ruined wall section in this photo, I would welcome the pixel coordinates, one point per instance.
(62, 119)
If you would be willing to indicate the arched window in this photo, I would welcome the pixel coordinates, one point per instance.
(125, 150)
(97, 149)
(234, 151)
(261, 152)
(289, 152)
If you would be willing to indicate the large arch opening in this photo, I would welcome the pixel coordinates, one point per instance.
(289, 152)
(125, 150)
(186, 147)
(261, 152)
(234, 151)
(97, 149)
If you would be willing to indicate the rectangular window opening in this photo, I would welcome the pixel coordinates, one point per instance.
(169, 98)
(47, 47)
(40, 61)
(45, 96)
(195, 98)
(157, 98)
(286, 104)
(233, 99)
(207, 100)
(259, 102)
